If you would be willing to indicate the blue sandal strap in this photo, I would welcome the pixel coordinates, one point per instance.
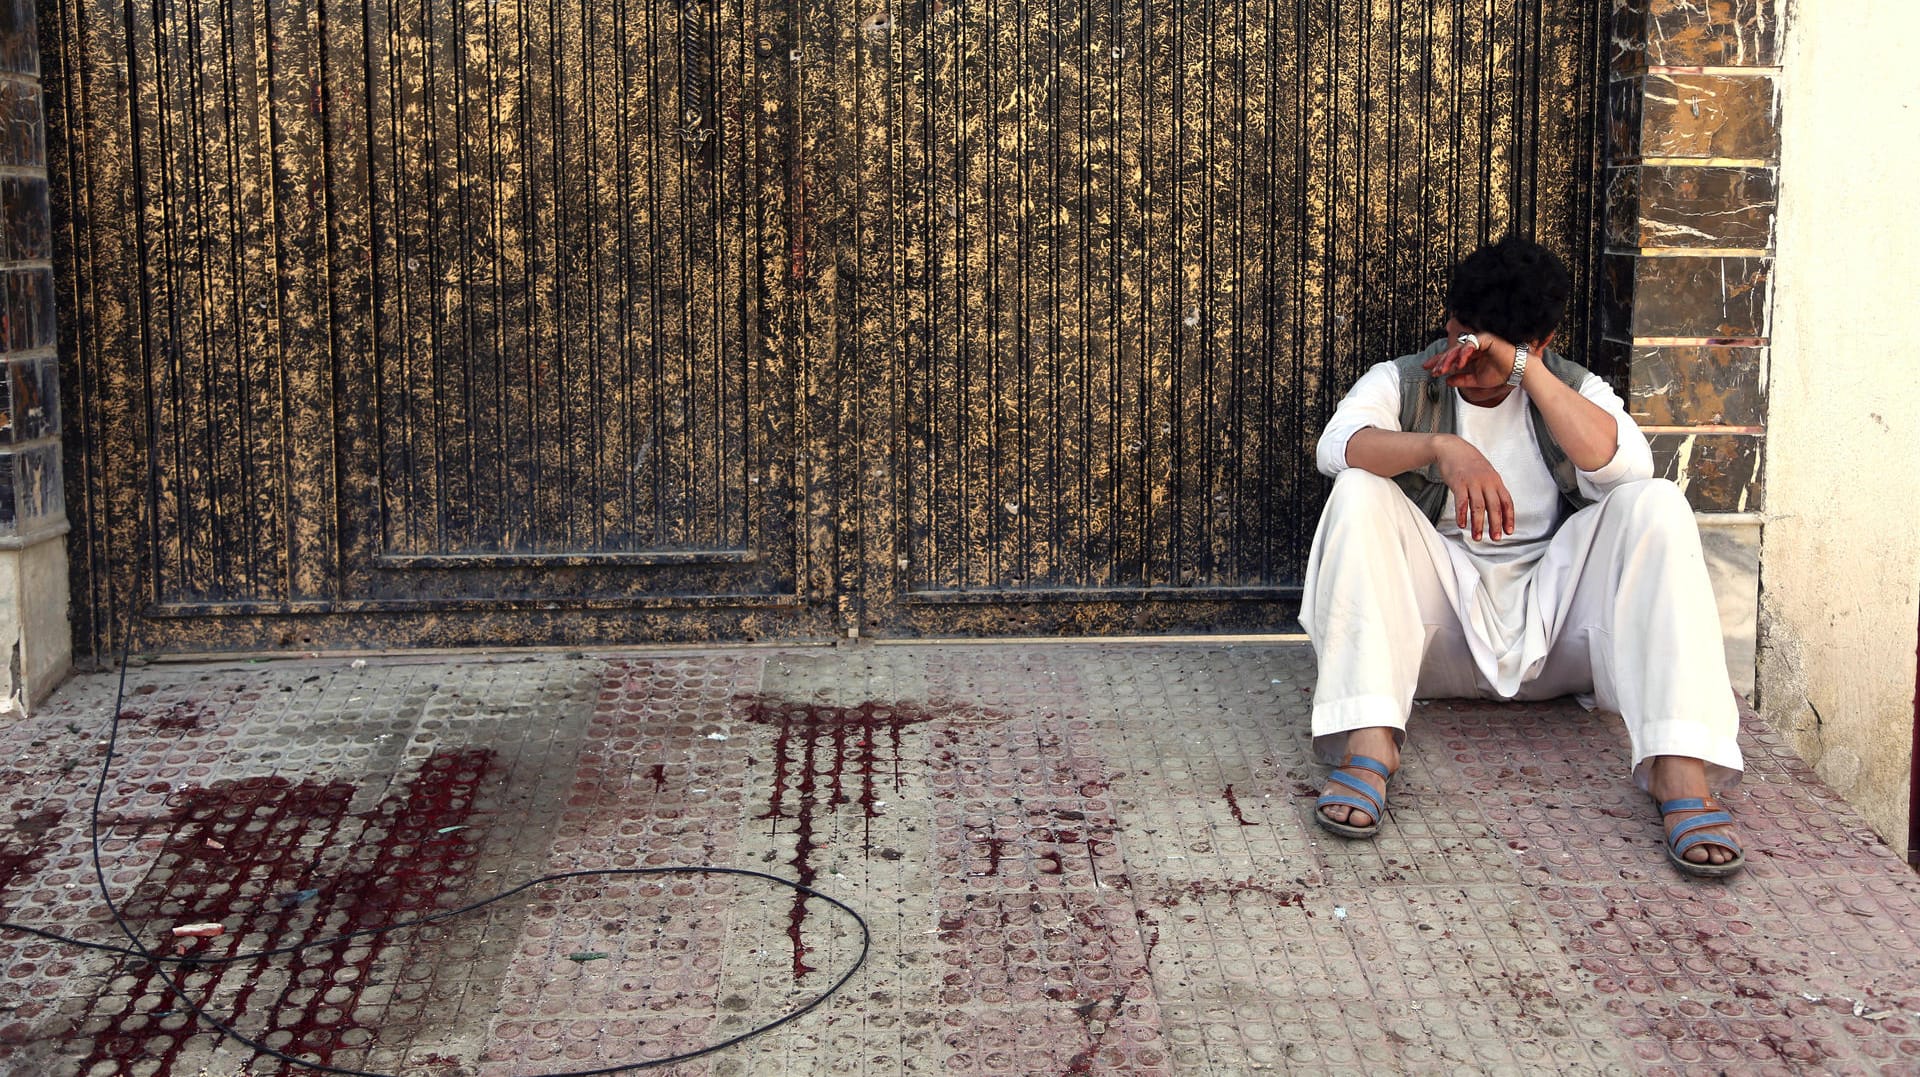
(1330, 799)
(1366, 762)
(1361, 788)
(1687, 833)
(1725, 841)
(1705, 819)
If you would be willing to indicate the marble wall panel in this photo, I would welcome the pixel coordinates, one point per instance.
(1708, 116)
(1624, 110)
(23, 124)
(1684, 296)
(1698, 384)
(30, 492)
(25, 226)
(1615, 302)
(19, 37)
(1627, 36)
(1612, 360)
(26, 319)
(1718, 472)
(32, 400)
(1622, 213)
(1691, 206)
(1694, 33)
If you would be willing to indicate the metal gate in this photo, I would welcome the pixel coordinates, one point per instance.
(417, 321)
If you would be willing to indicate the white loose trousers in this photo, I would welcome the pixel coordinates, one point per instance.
(1617, 607)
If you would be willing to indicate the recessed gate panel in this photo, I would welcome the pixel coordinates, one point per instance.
(1123, 259)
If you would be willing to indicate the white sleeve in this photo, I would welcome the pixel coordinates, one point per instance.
(1632, 458)
(1374, 401)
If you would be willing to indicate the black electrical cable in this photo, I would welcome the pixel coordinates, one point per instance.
(138, 950)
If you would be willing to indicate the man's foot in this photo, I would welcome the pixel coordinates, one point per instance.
(1699, 832)
(1378, 744)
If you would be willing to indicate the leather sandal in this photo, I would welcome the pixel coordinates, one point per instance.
(1361, 796)
(1687, 833)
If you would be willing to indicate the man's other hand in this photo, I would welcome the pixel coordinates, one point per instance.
(1480, 497)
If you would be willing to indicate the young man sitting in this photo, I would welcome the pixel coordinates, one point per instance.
(1494, 531)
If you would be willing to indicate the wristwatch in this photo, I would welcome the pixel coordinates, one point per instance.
(1519, 364)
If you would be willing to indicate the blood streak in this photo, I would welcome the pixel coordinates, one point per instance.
(273, 839)
(1234, 803)
(996, 848)
(823, 757)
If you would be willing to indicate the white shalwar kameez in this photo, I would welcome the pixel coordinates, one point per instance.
(1613, 604)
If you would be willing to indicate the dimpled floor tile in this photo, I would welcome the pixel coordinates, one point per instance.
(1072, 859)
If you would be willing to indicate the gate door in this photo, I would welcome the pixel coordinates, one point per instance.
(1121, 260)
(422, 321)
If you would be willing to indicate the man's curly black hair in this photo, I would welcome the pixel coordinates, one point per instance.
(1515, 288)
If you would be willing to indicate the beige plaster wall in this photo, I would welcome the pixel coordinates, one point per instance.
(1840, 556)
(36, 642)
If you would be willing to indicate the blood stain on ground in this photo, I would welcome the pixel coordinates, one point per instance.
(996, 849)
(1149, 935)
(274, 838)
(182, 717)
(27, 843)
(1097, 1022)
(1234, 803)
(1235, 888)
(823, 757)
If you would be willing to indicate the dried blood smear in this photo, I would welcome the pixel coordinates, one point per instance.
(270, 837)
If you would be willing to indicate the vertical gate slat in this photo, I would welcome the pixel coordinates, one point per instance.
(940, 335)
(259, 360)
(1178, 533)
(640, 393)
(872, 338)
(774, 401)
(737, 107)
(1001, 226)
(913, 186)
(303, 413)
(1063, 198)
(472, 284)
(559, 407)
(1140, 292)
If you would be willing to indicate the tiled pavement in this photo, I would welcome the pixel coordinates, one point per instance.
(1072, 858)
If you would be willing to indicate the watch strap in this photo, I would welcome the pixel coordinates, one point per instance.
(1520, 356)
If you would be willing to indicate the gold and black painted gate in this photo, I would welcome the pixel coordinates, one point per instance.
(531, 321)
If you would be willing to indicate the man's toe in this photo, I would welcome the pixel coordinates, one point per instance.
(1710, 851)
(1350, 816)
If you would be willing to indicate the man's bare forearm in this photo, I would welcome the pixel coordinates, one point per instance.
(1481, 500)
(1583, 429)
(1390, 452)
